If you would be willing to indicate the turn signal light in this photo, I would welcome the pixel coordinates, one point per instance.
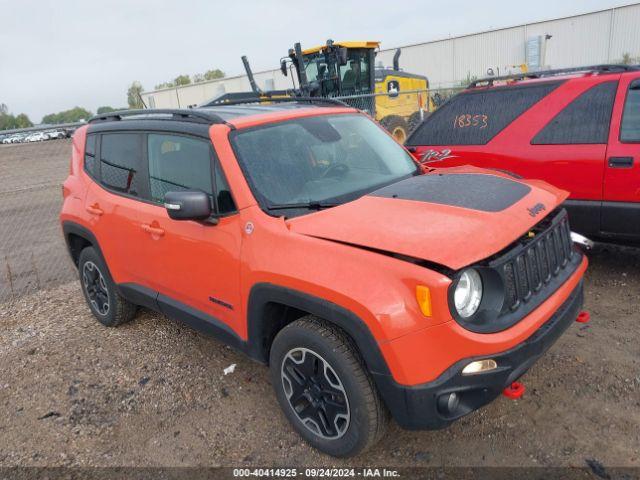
(480, 366)
(423, 296)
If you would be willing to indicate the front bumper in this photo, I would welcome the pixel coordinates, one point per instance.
(416, 407)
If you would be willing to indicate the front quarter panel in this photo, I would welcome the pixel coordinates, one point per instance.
(378, 289)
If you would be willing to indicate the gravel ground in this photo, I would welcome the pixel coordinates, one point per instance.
(153, 393)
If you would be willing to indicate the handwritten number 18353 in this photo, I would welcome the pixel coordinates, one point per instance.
(467, 120)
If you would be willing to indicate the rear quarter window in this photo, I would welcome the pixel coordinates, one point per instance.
(90, 164)
(476, 116)
(584, 121)
(630, 130)
(121, 162)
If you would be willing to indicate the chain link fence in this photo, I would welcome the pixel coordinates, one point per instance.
(33, 254)
(401, 112)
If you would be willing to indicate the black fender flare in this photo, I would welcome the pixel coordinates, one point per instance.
(72, 228)
(262, 294)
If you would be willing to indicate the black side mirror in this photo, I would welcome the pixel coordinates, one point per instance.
(188, 205)
(343, 56)
(283, 67)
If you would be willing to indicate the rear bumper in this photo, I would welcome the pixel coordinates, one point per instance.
(416, 407)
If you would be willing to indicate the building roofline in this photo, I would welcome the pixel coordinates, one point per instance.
(511, 27)
(537, 22)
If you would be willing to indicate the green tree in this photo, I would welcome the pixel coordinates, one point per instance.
(214, 74)
(9, 121)
(73, 115)
(160, 86)
(22, 121)
(182, 80)
(134, 95)
(107, 109)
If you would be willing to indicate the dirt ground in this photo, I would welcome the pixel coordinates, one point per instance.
(153, 393)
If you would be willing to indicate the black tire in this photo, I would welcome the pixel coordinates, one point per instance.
(415, 120)
(396, 126)
(100, 292)
(310, 340)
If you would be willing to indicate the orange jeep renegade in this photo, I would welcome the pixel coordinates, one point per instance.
(303, 235)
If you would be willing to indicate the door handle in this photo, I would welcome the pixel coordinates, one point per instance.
(621, 162)
(94, 209)
(152, 230)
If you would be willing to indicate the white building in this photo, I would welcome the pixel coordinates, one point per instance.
(605, 36)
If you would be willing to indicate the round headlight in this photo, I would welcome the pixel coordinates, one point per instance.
(468, 293)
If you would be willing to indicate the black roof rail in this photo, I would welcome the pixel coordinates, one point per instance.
(221, 102)
(605, 68)
(194, 115)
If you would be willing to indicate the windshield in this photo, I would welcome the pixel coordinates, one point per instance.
(320, 68)
(323, 159)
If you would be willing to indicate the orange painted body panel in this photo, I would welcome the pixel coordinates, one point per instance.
(443, 345)
(417, 229)
(191, 261)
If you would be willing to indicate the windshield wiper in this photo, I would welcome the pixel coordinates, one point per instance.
(307, 205)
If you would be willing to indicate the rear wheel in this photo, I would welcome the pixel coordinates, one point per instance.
(324, 390)
(100, 292)
(397, 127)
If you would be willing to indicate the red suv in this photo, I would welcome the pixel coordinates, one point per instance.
(306, 237)
(578, 129)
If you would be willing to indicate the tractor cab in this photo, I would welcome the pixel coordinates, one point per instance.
(334, 69)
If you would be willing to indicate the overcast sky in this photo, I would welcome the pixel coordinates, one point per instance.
(56, 54)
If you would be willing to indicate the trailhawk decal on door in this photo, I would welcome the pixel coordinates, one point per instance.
(436, 155)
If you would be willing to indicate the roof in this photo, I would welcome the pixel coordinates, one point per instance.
(239, 114)
(555, 73)
(231, 112)
(371, 44)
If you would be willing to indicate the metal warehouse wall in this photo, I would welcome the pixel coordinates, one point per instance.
(591, 38)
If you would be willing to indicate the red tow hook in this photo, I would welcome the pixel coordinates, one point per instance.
(583, 317)
(514, 391)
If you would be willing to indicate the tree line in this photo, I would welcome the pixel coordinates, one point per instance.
(77, 114)
(181, 80)
(9, 121)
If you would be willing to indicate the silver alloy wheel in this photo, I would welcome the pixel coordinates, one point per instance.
(315, 393)
(95, 287)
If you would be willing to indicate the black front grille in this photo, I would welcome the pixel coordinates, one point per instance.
(536, 261)
(523, 275)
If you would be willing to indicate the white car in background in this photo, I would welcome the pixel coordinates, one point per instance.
(13, 139)
(37, 137)
(56, 135)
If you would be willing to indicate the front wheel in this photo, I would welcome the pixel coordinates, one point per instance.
(324, 390)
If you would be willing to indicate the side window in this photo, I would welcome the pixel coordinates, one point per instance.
(90, 164)
(121, 162)
(178, 163)
(474, 117)
(630, 130)
(584, 121)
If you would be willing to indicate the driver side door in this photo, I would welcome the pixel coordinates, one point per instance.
(196, 263)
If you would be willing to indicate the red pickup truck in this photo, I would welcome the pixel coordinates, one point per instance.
(578, 129)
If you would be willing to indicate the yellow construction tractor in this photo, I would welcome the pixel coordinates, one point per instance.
(346, 71)
(397, 99)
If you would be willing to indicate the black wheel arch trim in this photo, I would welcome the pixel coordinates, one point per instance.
(72, 228)
(263, 294)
